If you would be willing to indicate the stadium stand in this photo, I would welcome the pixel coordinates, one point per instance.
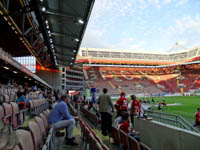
(134, 80)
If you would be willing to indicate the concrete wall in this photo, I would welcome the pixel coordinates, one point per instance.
(159, 136)
(53, 78)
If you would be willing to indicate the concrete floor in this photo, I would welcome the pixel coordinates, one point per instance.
(60, 144)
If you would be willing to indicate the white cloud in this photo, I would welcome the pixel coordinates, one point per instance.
(94, 38)
(181, 2)
(166, 1)
(185, 24)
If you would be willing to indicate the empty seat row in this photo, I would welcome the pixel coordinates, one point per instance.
(38, 135)
(127, 142)
(90, 116)
(38, 106)
(11, 114)
(4, 98)
(90, 139)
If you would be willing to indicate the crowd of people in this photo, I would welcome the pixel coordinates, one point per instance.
(60, 116)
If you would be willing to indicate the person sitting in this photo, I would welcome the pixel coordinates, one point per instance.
(90, 105)
(61, 118)
(21, 99)
(85, 105)
(40, 95)
(121, 104)
(118, 120)
(125, 126)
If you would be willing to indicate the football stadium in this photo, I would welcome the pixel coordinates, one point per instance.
(62, 87)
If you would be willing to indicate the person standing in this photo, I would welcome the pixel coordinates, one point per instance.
(135, 108)
(61, 118)
(197, 117)
(121, 104)
(105, 103)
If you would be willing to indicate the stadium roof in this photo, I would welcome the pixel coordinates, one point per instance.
(63, 25)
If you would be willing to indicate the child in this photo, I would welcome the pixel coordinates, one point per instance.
(126, 127)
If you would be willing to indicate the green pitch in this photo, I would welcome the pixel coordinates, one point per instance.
(186, 109)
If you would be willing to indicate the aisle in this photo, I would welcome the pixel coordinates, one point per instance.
(60, 143)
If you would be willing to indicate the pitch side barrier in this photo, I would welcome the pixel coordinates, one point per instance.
(172, 120)
(160, 136)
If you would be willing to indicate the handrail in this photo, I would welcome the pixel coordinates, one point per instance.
(171, 119)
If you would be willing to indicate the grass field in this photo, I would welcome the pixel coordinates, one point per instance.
(186, 109)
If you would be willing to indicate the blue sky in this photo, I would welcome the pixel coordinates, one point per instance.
(143, 25)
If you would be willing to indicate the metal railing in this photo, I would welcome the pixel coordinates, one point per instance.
(171, 119)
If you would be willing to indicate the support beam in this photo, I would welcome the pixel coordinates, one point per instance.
(61, 14)
(39, 51)
(23, 22)
(34, 43)
(27, 31)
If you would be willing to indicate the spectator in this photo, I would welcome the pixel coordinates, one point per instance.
(159, 106)
(85, 105)
(126, 127)
(152, 100)
(21, 99)
(197, 117)
(61, 118)
(135, 108)
(92, 109)
(121, 104)
(118, 120)
(105, 103)
(164, 102)
(40, 95)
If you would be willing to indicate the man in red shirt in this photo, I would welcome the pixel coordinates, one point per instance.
(197, 117)
(135, 107)
(121, 104)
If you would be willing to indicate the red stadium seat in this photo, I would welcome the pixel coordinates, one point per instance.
(40, 122)
(124, 140)
(45, 121)
(16, 115)
(8, 113)
(133, 143)
(25, 140)
(36, 134)
(16, 147)
(2, 113)
(6, 99)
(116, 136)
